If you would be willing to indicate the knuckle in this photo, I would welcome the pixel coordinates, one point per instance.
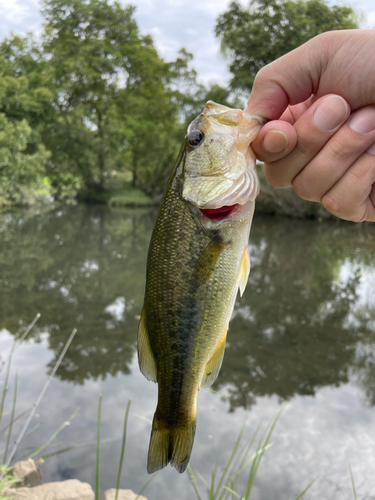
(262, 74)
(304, 148)
(274, 177)
(332, 204)
(359, 172)
(338, 149)
(301, 187)
(337, 206)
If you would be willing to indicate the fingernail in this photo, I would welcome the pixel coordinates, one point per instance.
(371, 149)
(275, 141)
(330, 113)
(363, 121)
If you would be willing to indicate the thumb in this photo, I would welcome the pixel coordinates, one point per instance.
(289, 80)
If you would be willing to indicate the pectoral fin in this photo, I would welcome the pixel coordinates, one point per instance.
(213, 366)
(244, 270)
(146, 359)
(207, 262)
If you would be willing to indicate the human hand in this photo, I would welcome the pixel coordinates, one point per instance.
(321, 140)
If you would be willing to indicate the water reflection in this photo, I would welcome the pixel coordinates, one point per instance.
(79, 266)
(304, 321)
(293, 320)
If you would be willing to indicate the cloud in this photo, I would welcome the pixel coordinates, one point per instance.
(182, 24)
(172, 23)
(20, 17)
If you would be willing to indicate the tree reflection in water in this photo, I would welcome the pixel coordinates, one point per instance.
(304, 322)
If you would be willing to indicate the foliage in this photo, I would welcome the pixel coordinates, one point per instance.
(23, 104)
(17, 167)
(116, 107)
(6, 482)
(241, 460)
(257, 35)
(92, 99)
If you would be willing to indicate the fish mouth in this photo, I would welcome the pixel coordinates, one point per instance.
(219, 214)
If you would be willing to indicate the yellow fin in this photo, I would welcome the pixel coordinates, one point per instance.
(213, 366)
(172, 445)
(244, 270)
(146, 360)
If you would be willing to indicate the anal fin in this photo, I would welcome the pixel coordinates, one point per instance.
(213, 366)
(146, 359)
(244, 270)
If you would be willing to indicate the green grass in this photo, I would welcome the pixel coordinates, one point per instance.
(352, 478)
(98, 447)
(6, 482)
(236, 481)
(130, 198)
(6, 431)
(122, 448)
(122, 453)
(242, 466)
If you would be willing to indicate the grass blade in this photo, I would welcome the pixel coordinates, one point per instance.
(143, 418)
(262, 446)
(231, 458)
(20, 417)
(11, 419)
(122, 447)
(216, 392)
(62, 426)
(5, 389)
(232, 491)
(7, 482)
(17, 342)
(194, 481)
(75, 446)
(300, 497)
(28, 329)
(238, 464)
(352, 478)
(36, 404)
(98, 447)
(145, 486)
(203, 480)
(211, 490)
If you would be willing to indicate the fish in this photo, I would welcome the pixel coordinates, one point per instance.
(197, 261)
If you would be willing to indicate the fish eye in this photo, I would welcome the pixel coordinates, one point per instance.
(195, 137)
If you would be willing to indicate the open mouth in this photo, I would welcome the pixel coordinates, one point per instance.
(218, 213)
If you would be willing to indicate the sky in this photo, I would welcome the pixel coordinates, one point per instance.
(172, 23)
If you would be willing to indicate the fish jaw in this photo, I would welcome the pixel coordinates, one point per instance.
(221, 171)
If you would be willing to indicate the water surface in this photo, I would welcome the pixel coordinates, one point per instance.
(301, 337)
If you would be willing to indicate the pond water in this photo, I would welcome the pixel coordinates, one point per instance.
(302, 337)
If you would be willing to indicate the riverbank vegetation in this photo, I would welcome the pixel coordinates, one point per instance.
(90, 111)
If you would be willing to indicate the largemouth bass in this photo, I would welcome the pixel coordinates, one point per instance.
(198, 259)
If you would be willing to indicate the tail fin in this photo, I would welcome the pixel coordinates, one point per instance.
(172, 445)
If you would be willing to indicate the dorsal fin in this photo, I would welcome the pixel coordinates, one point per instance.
(213, 366)
(146, 359)
(244, 270)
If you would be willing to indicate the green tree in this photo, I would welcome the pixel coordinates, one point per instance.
(114, 100)
(255, 36)
(24, 101)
